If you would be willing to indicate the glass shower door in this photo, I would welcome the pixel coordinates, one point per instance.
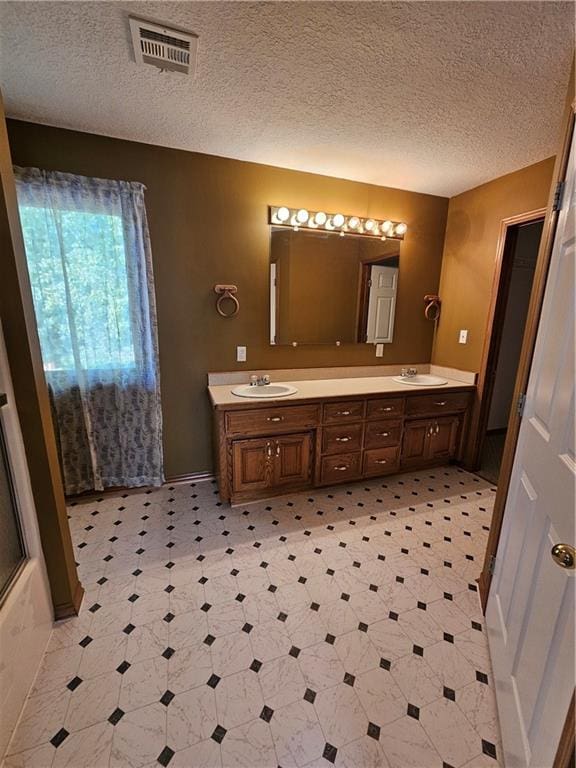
(12, 552)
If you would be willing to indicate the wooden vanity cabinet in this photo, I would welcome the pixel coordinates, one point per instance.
(265, 449)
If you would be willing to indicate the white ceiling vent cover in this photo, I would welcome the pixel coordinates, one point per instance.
(163, 47)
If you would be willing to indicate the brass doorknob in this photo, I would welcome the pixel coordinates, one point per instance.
(564, 555)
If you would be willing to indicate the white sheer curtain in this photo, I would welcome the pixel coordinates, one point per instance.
(90, 264)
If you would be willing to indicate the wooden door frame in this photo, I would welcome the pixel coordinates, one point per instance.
(493, 335)
(528, 343)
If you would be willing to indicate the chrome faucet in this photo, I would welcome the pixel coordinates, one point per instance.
(408, 373)
(259, 381)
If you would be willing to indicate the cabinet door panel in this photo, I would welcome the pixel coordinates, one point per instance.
(251, 464)
(443, 440)
(415, 442)
(292, 460)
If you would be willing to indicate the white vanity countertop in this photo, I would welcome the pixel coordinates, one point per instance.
(221, 395)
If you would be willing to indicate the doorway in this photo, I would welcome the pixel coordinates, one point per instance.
(519, 256)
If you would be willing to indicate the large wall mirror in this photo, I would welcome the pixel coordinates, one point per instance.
(329, 289)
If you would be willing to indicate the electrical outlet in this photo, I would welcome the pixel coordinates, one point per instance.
(463, 338)
(240, 354)
(379, 350)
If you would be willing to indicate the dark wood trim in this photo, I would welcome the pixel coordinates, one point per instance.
(531, 330)
(494, 327)
(66, 610)
(566, 753)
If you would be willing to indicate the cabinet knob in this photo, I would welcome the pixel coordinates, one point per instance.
(275, 418)
(345, 439)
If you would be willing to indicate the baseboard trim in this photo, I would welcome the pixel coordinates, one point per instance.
(66, 610)
(192, 477)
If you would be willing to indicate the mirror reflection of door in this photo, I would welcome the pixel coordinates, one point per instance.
(380, 293)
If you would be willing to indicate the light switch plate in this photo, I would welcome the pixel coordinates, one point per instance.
(379, 350)
(240, 354)
(463, 338)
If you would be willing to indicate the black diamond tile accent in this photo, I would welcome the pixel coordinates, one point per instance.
(229, 551)
(263, 564)
(393, 615)
(418, 650)
(448, 693)
(202, 580)
(421, 605)
(292, 557)
(168, 653)
(477, 626)
(123, 667)
(330, 571)
(282, 616)
(167, 697)
(128, 629)
(74, 683)
(206, 607)
(400, 579)
(330, 639)
(310, 695)
(256, 665)
(349, 679)
(234, 572)
(247, 628)
(240, 597)
(59, 737)
(218, 734)
(133, 598)
(140, 551)
(95, 607)
(385, 664)
(317, 551)
(302, 580)
(165, 756)
(116, 716)
(373, 588)
(481, 677)
(209, 639)
(448, 596)
(314, 607)
(356, 564)
(448, 637)
(169, 617)
(345, 597)
(363, 627)
(329, 753)
(213, 681)
(413, 711)
(266, 714)
(101, 581)
(272, 588)
(373, 731)
(294, 651)
(170, 564)
(489, 749)
(169, 588)
(107, 558)
(137, 572)
(85, 641)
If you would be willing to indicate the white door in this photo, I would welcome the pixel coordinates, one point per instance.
(530, 612)
(381, 304)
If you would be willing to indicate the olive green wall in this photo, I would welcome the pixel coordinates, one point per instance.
(472, 231)
(208, 224)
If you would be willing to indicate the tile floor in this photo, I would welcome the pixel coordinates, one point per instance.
(333, 627)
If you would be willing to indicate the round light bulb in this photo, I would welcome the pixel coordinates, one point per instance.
(401, 228)
(302, 216)
(283, 214)
(320, 218)
(369, 225)
(383, 237)
(386, 226)
(338, 220)
(341, 234)
(353, 222)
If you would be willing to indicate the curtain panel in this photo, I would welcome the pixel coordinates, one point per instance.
(90, 264)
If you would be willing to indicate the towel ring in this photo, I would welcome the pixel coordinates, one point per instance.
(432, 310)
(226, 292)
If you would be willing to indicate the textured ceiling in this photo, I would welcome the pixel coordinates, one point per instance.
(435, 97)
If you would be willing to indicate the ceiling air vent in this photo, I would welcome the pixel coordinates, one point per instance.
(168, 49)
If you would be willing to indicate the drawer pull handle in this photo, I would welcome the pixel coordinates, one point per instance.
(440, 402)
(381, 461)
(275, 418)
(277, 449)
(387, 409)
(341, 468)
(384, 434)
(343, 439)
(343, 413)
(269, 450)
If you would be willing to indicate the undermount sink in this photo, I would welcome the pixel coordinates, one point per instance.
(421, 380)
(266, 390)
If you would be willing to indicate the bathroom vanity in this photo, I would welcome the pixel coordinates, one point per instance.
(334, 431)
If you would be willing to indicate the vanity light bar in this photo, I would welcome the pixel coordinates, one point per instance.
(301, 218)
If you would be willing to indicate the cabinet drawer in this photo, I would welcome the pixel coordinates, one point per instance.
(343, 412)
(272, 420)
(342, 437)
(380, 434)
(437, 404)
(336, 469)
(379, 409)
(380, 460)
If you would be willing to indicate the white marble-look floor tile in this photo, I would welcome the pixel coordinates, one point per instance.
(297, 735)
(341, 714)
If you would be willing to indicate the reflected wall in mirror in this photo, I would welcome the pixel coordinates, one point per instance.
(328, 289)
